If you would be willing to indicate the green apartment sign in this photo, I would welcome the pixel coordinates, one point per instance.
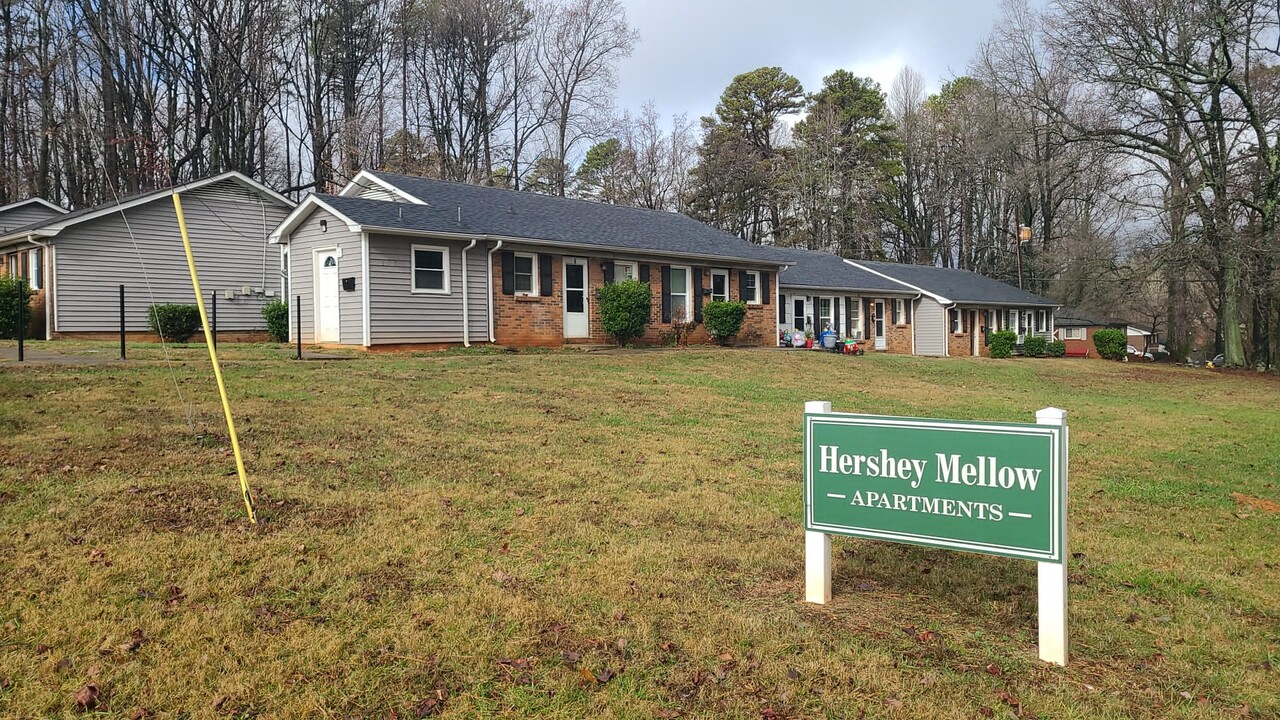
(994, 488)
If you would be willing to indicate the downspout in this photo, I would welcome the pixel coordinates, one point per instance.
(466, 319)
(946, 319)
(46, 260)
(777, 295)
(489, 268)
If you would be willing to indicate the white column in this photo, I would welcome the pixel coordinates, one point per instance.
(1052, 577)
(817, 545)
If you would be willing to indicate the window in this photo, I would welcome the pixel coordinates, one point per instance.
(750, 290)
(824, 320)
(720, 285)
(956, 327)
(1042, 323)
(526, 274)
(35, 271)
(625, 271)
(899, 312)
(430, 269)
(680, 292)
(1073, 333)
(854, 321)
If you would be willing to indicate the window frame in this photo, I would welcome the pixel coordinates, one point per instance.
(1073, 333)
(722, 273)
(618, 265)
(755, 289)
(854, 320)
(955, 321)
(1042, 321)
(687, 294)
(35, 269)
(533, 274)
(443, 270)
(823, 322)
(899, 311)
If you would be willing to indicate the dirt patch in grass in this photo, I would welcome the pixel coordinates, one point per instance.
(1267, 506)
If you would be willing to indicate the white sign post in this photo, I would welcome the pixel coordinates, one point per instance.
(1051, 576)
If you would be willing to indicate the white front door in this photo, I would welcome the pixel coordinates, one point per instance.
(576, 318)
(327, 288)
(880, 345)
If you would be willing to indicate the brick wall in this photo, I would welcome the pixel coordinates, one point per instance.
(959, 344)
(538, 321)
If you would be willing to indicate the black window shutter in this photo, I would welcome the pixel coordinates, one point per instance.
(644, 273)
(870, 321)
(964, 321)
(608, 271)
(835, 315)
(907, 305)
(782, 308)
(742, 285)
(666, 293)
(764, 288)
(544, 275)
(697, 295)
(848, 316)
(508, 272)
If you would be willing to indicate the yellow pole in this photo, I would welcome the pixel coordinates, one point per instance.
(213, 356)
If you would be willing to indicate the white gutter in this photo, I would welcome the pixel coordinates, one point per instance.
(777, 304)
(466, 320)
(489, 269)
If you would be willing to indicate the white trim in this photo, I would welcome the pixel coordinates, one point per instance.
(353, 188)
(301, 213)
(57, 226)
(444, 267)
(565, 262)
(688, 292)
(489, 292)
(899, 311)
(757, 299)
(315, 291)
(28, 201)
(533, 274)
(634, 265)
(367, 329)
(722, 272)
(890, 278)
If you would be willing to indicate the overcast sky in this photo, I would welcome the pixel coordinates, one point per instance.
(690, 49)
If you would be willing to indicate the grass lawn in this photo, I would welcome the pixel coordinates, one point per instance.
(574, 535)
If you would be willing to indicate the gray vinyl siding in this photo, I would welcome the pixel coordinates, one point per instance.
(930, 327)
(25, 215)
(398, 315)
(303, 242)
(228, 225)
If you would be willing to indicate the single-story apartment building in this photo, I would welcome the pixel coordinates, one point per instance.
(820, 291)
(397, 260)
(27, 264)
(954, 311)
(77, 261)
(1076, 329)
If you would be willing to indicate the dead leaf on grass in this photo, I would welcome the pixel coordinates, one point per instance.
(994, 669)
(87, 697)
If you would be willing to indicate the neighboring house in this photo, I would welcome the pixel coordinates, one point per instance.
(84, 256)
(402, 260)
(822, 291)
(1076, 330)
(27, 263)
(957, 309)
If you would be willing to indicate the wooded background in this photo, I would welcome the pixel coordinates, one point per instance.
(1136, 139)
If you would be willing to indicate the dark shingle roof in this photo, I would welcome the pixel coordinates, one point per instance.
(1067, 317)
(533, 216)
(822, 270)
(961, 286)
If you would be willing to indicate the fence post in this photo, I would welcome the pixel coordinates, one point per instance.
(817, 545)
(122, 353)
(22, 319)
(297, 332)
(215, 319)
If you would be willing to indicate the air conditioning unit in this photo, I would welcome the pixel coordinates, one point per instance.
(269, 293)
(246, 290)
(228, 294)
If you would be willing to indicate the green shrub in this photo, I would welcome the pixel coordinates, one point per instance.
(1034, 346)
(624, 309)
(723, 319)
(11, 308)
(1002, 343)
(276, 313)
(1111, 343)
(1057, 348)
(174, 323)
